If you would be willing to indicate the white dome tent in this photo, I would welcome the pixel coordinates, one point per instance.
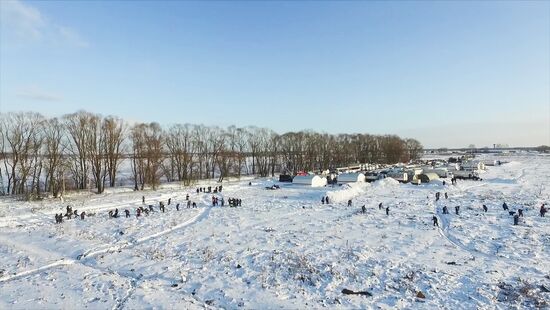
(312, 180)
(351, 177)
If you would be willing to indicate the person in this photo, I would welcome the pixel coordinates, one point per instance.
(249, 183)
(542, 210)
(223, 202)
(197, 190)
(60, 217)
(457, 209)
(363, 209)
(380, 206)
(162, 207)
(151, 208)
(82, 215)
(323, 200)
(115, 215)
(485, 208)
(326, 200)
(194, 205)
(138, 212)
(177, 206)
(56, 218)
(240, 202)
(444, 183)
(445, 210)
(516, 219)
(169, 201)
(220, 190)
(187, 197)
(188, 204)
(505, 206)
(143, 199)
(127, 213)
(520, 212)
(446, 196)
(434, 218)
(387, 210)
(110, 213)
(349, 203)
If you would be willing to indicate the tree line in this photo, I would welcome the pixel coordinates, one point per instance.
(83, 150)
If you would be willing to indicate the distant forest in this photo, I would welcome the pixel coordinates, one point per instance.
(83, 150)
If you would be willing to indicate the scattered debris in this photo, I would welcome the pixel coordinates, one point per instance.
(350, 292)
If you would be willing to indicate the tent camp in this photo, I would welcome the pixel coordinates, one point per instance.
(427, 177)
(311, 180)
(351, 177)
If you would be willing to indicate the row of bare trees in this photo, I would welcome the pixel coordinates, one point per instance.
(83, 150)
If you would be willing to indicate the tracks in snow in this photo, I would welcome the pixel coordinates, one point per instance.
(82, 258)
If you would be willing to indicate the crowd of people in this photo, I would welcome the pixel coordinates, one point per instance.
(149, 209)
(516, 214)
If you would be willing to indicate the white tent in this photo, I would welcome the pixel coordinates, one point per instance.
(312, 180)
(351, 177)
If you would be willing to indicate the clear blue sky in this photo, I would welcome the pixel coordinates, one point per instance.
(418, 69)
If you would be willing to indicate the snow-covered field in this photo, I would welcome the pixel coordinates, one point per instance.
(284, 249)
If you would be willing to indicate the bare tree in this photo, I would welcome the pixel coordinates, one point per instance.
(115, 130)
(54, 149)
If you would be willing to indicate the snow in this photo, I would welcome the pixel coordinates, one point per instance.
(284, 249)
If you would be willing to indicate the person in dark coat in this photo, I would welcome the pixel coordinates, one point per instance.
(387, 210)
(194, 205)
(110, 213)
(446, 196)
(485, 208)
(434, 219)
(380, 206)
(188, 204)
(457, 209)
(520, 212)
(516, 219)
(445, 210)
(82, 215)
(323, 200)
(363, 209)
(349, 203)
(542, 210)
(169, 201)
(143, 199)
(127, 213)
(187, 197)
(223, 201)
(326, 200)
(138, 212)
(115, 215)
(177, 206)
(197, 190)
(505, 206)
(151, 208)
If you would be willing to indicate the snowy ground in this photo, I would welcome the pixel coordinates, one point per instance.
(284, 249)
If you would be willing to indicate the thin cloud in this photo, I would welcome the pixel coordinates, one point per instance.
(39, 95)
(26, 23)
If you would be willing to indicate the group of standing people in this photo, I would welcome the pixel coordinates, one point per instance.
(69, 214)
(210, 189)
